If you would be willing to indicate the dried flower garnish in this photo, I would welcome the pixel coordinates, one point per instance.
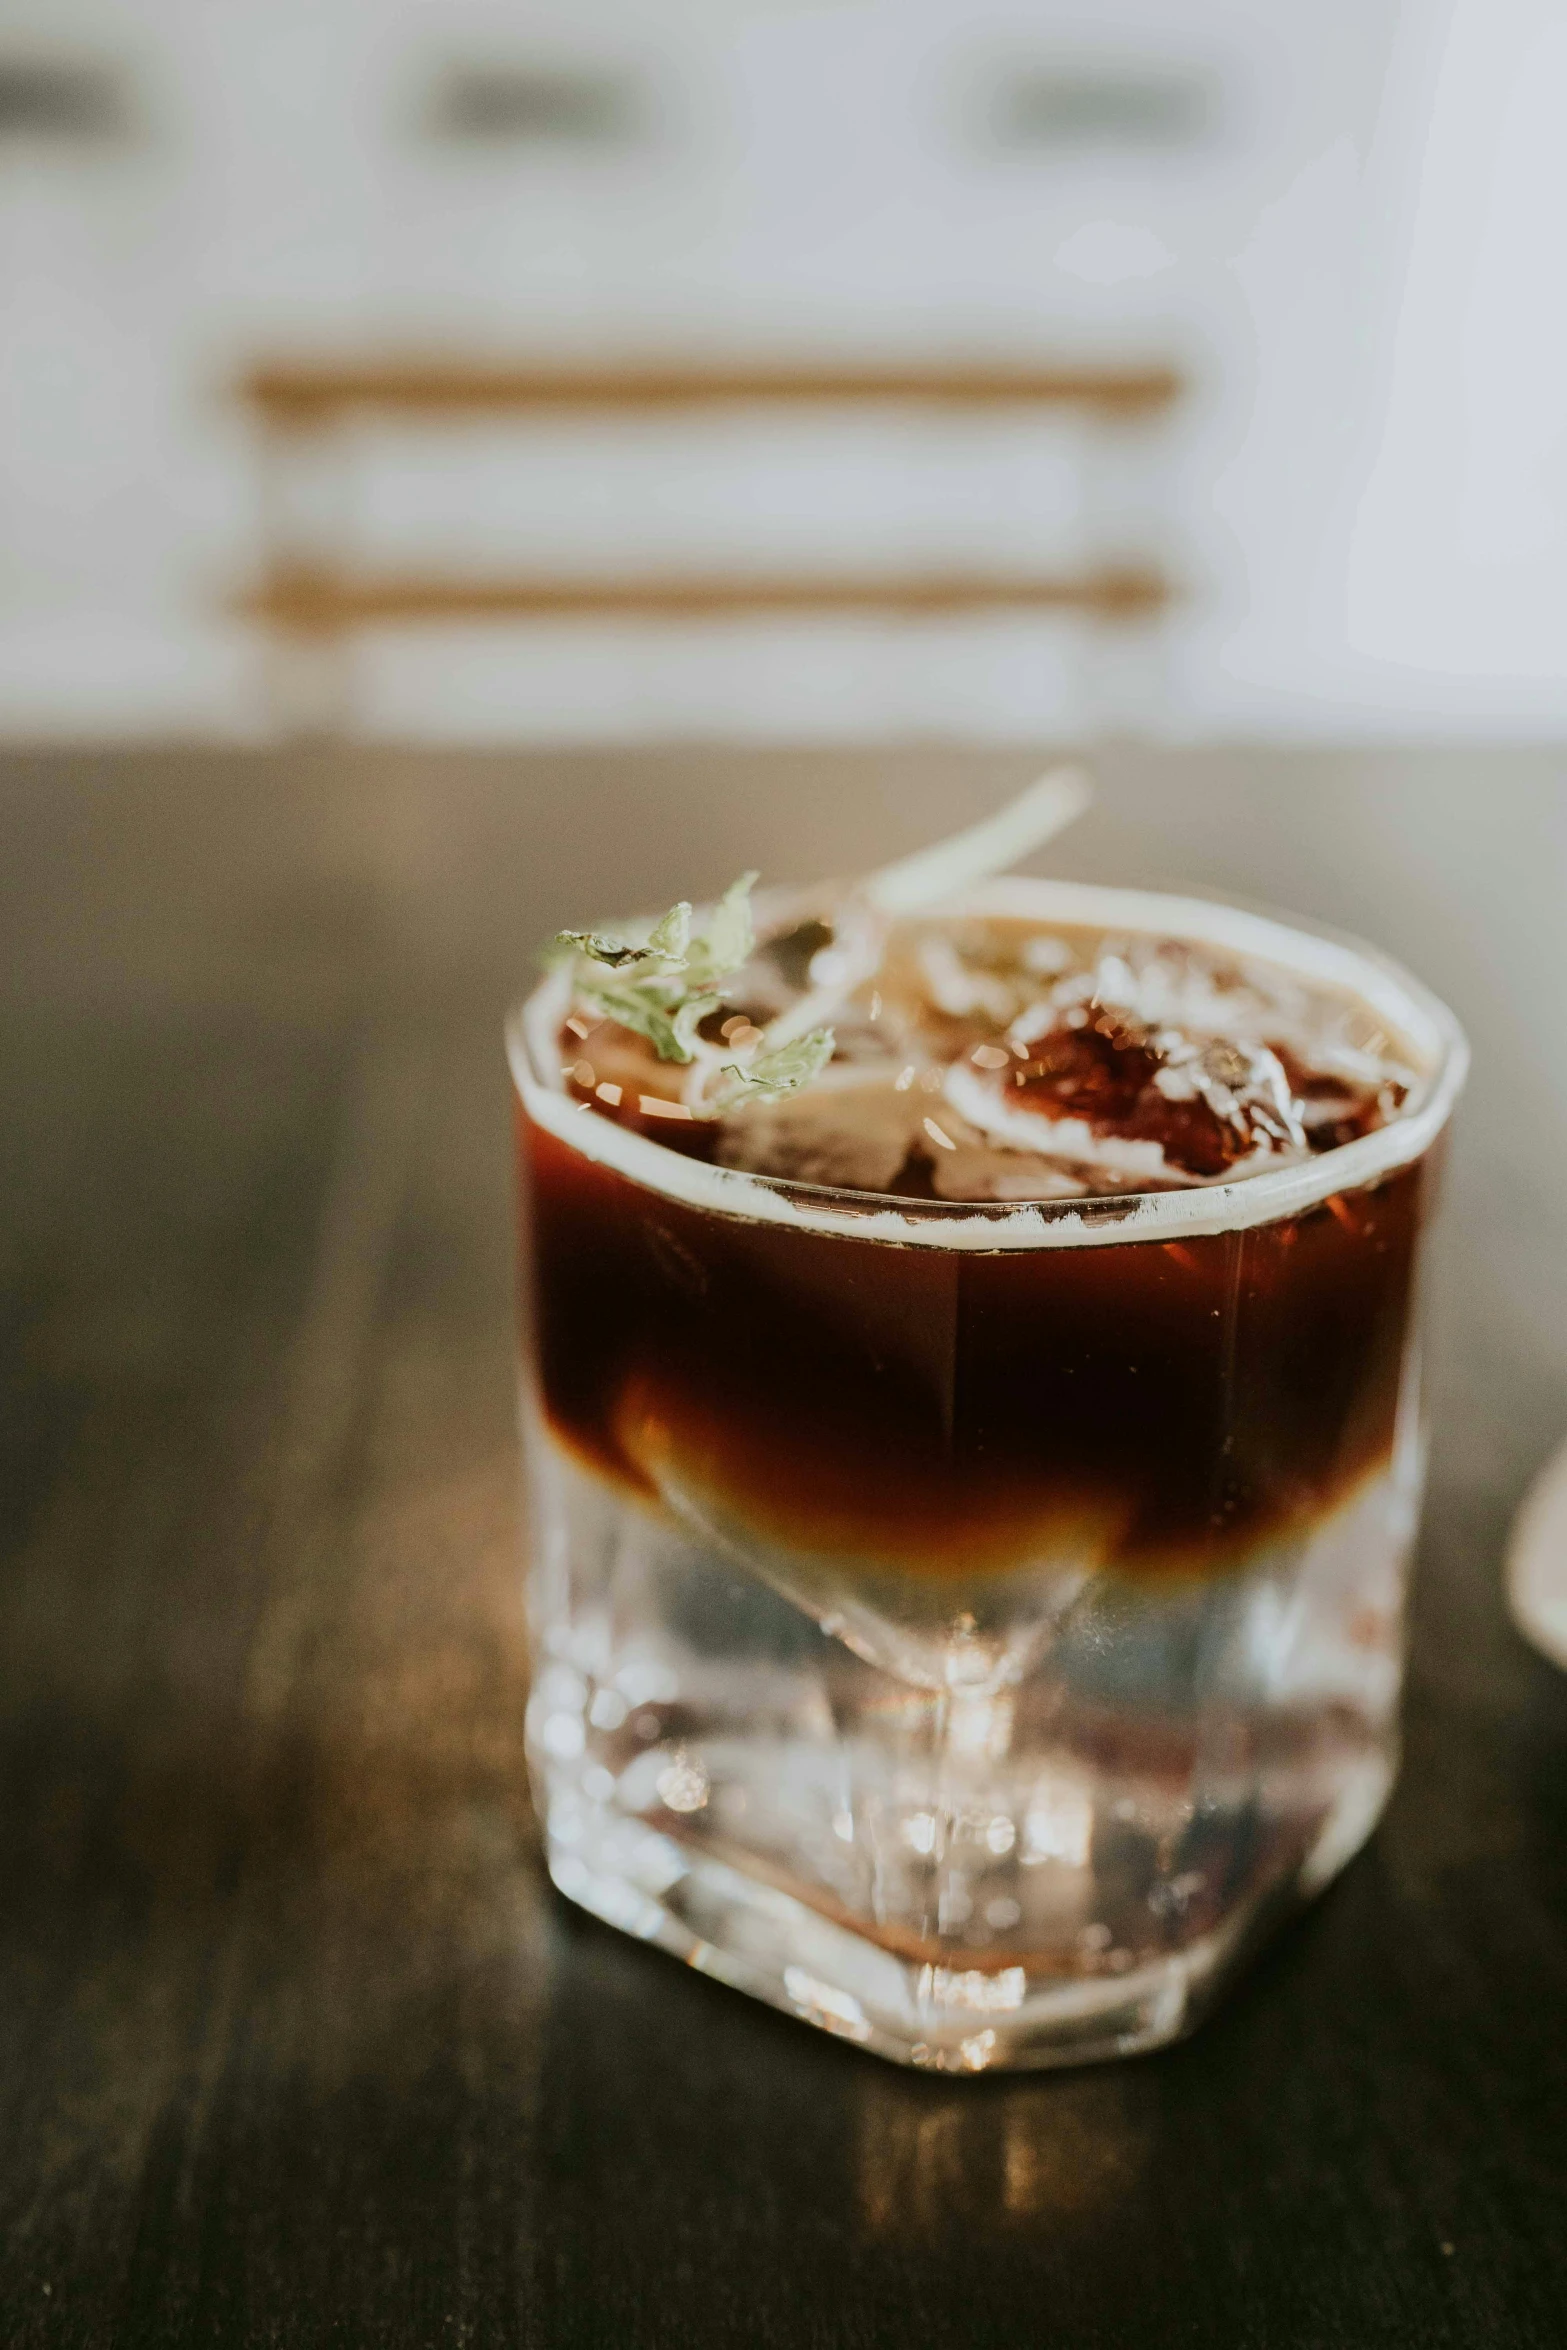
(784, 1070)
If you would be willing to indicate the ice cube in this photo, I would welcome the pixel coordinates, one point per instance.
(1047, 957)
(1169, 984)
(959, 988)
(988, 1101)
(978, 1170)
(849, 1129)
(1151, 1103)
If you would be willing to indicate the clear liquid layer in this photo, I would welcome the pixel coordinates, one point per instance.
(1060, 1866)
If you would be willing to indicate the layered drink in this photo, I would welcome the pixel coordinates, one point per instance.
(974, 1445)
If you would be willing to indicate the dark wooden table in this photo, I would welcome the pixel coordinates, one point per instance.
(296, 2047)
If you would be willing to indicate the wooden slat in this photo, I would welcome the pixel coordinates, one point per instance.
(320, 603)
(301, 395)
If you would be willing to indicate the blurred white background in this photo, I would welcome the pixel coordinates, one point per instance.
(1341, 221)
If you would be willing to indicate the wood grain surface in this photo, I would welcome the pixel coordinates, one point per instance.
(296, 2047)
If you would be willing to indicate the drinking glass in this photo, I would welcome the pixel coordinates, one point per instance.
(970, 1628)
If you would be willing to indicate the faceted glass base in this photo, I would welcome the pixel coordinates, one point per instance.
(940, 2017)
(1062, 1862)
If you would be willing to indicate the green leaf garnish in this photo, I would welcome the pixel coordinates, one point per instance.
(667, 1017)
(729, 940)
(688, 1018)
(784, 1070)
(667, 986)
(670, 938)
(665, 944)
(593, 948)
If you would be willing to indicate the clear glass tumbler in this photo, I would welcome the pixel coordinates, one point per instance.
(970, 1628)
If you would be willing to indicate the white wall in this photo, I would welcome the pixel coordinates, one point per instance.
(1456, 524)
(810, 181)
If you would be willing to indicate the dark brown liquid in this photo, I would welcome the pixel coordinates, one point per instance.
(1175, 1402)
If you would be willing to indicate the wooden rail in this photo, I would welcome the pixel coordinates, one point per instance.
(304, 396)
(307, 601)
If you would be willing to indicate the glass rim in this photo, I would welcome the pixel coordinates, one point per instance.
(1304, 950)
